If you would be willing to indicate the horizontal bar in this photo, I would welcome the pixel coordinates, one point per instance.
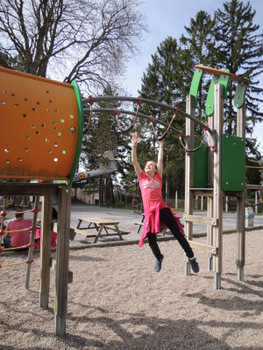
(254, 187)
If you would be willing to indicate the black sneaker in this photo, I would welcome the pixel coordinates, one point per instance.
(158, 264)
(194, 265)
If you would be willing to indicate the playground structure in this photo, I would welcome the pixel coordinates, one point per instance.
(42, 129)
(45, 118)
(218, 169)
(211, 169)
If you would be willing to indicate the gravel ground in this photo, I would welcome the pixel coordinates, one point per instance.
(118, 301)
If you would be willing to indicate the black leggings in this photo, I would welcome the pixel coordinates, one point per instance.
(167, 218)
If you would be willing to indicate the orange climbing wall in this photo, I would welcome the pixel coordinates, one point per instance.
(39, 127)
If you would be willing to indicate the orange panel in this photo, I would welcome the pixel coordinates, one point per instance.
(218, 72)
(39, 127)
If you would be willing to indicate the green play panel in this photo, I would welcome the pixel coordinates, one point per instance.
(233, 163)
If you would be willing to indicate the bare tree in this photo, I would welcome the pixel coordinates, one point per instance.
(85, 40)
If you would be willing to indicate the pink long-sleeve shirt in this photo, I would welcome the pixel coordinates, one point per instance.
(22, 237)
(151, 190)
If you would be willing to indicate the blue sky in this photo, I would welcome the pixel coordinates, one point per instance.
(167, 18)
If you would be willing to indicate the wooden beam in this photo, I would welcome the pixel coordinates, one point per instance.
(189, 173)
(205, 192)
(241, 238)
(32, 242)
(218, 72)
(61, 286)
(45, 251)
(217, 183)
(200, 219)
(28, 189)
(204, 247)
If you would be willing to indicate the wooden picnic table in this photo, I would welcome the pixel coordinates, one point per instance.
(100, 225)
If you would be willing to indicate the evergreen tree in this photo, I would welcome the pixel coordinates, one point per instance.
(199, 46)
(240, 50)
(200, 43)
(227, 41)
(103, 135)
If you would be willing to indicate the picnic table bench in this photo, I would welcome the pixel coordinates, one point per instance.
(100, 225)
(141, 224)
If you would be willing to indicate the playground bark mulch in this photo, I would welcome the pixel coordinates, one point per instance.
(118, 301)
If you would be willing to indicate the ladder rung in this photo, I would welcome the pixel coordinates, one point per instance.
(206, 192)
(200, 219)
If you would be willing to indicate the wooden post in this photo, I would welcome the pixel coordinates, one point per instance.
(227, 204)
(209, 238)
(32, 241)
(176, 199)
(218, 195)
(45, 249)
(189, 132)
(61, 287)
(256, 201)
(2, 219)
(240, 260)
(166, 182)
(210, 200)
